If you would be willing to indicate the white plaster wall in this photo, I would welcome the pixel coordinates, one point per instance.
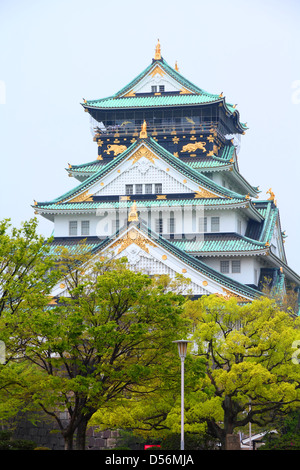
(249, 264)
(186, 220)
(145, 85)
(134, 175)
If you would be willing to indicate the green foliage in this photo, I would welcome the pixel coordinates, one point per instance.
(283, 442)
(7, 442)
(248, 360)
(191, 442)
(287, 434)
(132, 441)
(25, 277)
(108, 337)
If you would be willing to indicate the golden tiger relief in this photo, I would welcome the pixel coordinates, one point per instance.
(193, 147)
(117, 149)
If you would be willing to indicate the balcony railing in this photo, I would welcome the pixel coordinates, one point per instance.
(158, 129)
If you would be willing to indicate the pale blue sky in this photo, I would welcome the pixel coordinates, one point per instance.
(54, 53)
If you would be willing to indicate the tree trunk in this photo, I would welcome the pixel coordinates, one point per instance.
(68, 441)
(229, 419)
(81, 434)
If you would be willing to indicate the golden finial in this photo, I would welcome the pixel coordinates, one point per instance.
(221, 95)
(84, 100)
(157, 55)
(143, 133)
(272, 195)
(133, 215)
(176, 66)
(35, 203)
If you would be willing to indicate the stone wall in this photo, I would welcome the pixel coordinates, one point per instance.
(47, 434)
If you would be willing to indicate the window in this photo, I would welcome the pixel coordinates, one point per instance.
(161, 88)
(236, 266)
(138, 189)
(203, 224)
(158, 188)
(224, 265)
(129, 189)
(154, 89)
(148, 188)
(159, 224)
(72, 228)
(215, 224)
(85, 227)
(171, 225)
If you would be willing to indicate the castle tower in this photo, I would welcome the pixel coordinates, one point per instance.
(165, 190)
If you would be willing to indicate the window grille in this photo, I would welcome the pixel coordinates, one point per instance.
(148, 188)
(138, 189)
(171, 225)
(159, 225)
(224, 265)
(85, 227)
(158, 188)
(215, 224)
(129, 189)
(203, 224)
(72, 228)
(236, 266)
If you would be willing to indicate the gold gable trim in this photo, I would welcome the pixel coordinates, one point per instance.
(157, 70)
(82, 197)
(133, 236)
(204, 193)
(228, 295)
(185, 91)
(143, 152)
(131, 94)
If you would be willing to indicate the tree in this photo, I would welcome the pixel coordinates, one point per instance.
(250, 374)
(106, 337)
(25, 265)
(26, 280)
(146, 414)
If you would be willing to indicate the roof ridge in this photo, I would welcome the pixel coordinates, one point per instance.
(200, 264)
(212, 185)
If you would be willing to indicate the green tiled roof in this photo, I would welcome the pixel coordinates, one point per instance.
(219, 245)
(187, 258)
(152, 101)
(94, 205)
(170, 70)
(198, 96)
(203, 268)
(270, 214)
(210, 162)
(167, 156)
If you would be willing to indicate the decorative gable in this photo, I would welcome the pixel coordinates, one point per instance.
(144, 255)
(157, 81)
(143, 166)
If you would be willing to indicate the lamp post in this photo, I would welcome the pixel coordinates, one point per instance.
(182, 349)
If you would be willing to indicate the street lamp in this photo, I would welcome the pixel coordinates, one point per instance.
(182, 349)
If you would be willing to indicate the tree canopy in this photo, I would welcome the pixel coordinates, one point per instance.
(250, 375)
(106, 336)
